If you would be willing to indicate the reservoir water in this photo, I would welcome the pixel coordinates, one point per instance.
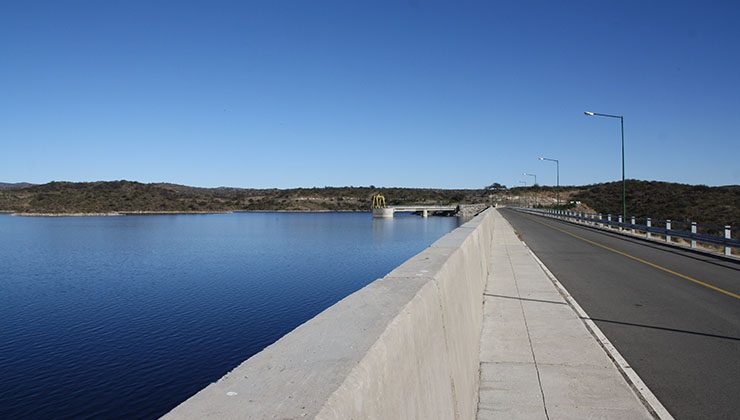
(126, 317)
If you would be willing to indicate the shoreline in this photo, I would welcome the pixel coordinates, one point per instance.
(113, 213)
(166, 213)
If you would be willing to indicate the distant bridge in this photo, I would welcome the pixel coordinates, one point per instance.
(380, 210)
(424, 210)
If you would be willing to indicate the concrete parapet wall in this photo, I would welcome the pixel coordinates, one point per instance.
(405, 346)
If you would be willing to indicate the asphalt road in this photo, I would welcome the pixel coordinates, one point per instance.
(681, 336)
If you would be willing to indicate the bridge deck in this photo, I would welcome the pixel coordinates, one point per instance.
(422, 208)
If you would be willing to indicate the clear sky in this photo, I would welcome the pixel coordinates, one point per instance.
(391, 93)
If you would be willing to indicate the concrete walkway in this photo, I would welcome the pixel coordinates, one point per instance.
(538, 359)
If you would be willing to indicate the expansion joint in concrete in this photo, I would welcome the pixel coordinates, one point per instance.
(529, 336)
(453, 391)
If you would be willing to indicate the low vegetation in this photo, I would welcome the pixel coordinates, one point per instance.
(680, 203)
(660, 200)
(127, 196)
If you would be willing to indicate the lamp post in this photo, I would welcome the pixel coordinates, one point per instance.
(535, 177)
(624, 184)
(536, 203)
(523, 183)
(557, 163)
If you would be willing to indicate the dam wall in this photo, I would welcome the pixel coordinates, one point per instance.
(404, 346)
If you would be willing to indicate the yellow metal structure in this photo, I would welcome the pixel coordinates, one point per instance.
(378, 201)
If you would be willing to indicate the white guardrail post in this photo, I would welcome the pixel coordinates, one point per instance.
(597, 219)
(667, 227)
(728, 233)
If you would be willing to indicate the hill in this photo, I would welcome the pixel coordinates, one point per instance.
(662, 200)
(8, 186)
(659, 200)
(128, 196)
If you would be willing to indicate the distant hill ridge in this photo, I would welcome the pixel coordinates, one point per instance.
(129, 196)
(7, 185)
(660, 200)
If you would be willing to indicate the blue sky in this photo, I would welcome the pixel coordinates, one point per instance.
(390, 93)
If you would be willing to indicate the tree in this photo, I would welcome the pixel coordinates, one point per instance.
(496, 186)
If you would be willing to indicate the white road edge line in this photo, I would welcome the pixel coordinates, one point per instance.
(642, 390)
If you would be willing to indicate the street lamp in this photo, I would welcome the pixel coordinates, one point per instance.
(535, 177)
(557, 162)
(624, 184)
(525, 184)
(535, 184)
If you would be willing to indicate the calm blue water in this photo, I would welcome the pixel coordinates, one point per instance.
(125, 317)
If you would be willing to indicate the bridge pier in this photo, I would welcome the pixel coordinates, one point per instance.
(425, 213)
(383, 212)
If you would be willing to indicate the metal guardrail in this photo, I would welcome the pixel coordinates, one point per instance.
(598, 220)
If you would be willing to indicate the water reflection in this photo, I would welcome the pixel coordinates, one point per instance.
(100, 314)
